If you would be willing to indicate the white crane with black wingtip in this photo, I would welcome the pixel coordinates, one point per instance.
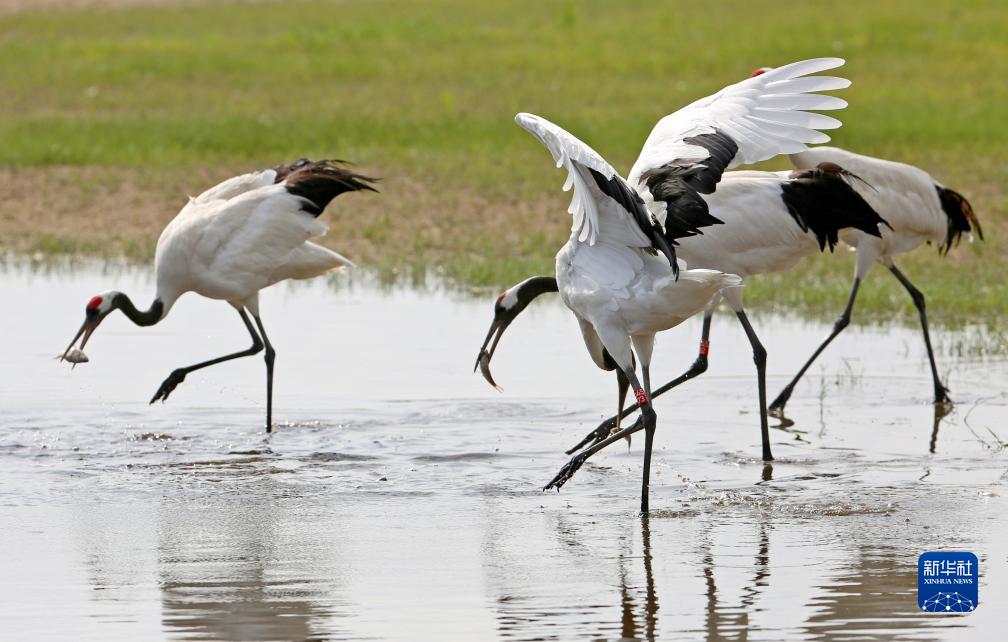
(243, 235)
(619, 275)
(918, 209)
(609, 273)
(768, 221)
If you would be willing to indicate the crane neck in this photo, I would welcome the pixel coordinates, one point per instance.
(519, 296)
(150, 316)
(538, 285)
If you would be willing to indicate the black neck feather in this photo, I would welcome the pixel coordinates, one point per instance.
(528, 290)
(538, 285)
(143, 318)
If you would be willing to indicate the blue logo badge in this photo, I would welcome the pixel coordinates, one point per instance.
(948, 582)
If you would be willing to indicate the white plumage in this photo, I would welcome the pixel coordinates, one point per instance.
(614, 287)
(623, 292)
(918, 210)
(231, 241)
(576, 157)
(757, 235)
(762, 115)
(767, 222)
(237, 238)
(905, 196)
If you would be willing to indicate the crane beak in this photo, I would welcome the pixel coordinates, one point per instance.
(495, 333)
(86, 329)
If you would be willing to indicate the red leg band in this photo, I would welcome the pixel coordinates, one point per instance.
(704, 347)
(641, 396)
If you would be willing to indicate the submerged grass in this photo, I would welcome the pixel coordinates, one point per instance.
(110, 114)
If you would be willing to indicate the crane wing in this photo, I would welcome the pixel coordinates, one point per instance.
(259, 236)
(237, 185)
(320, 178)
(603, 205)
(750, 121)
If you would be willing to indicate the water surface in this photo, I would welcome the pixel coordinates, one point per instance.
(399, 496)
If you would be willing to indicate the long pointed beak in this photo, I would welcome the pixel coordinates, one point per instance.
(496, 331)
(86, 329)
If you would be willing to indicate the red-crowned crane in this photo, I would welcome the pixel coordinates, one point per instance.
(769, 221)
(231, 241)
(918, 210)
(610, 274)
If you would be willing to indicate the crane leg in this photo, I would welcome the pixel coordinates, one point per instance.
(270, 357)
(759, 358)
(623, 386)
(940, 391)
(646, 421)
(777, 407)
(699, 367)
(179, 374)
(649, 432)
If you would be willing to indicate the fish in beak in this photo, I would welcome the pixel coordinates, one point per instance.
(483, 359)
(75, 355)
(509, 305)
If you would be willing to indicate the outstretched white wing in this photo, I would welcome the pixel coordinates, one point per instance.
(753, 120)
(762, 116)
(589, 205)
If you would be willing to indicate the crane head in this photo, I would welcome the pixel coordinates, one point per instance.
(94, 312)
(761, 70)
(508, 306)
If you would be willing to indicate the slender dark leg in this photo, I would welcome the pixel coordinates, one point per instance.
(648, 440)
(624, 385)
(934, 429)
(759, 358)
(699, 367)
(777, 407)
(270, 356)
(178, 375)
(646, 421)
(941, 392)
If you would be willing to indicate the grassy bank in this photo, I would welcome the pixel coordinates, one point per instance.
(109, 115)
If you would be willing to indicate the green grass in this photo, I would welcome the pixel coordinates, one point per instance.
(426, 92)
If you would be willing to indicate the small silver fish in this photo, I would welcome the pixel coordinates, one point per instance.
(74, 356)
(484, 366)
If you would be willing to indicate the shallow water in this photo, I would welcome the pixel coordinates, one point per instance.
(399, 496)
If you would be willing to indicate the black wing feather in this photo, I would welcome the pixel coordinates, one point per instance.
(680, 185)
(319, 182)
(617, 189)
(824, 203)
(286, 169)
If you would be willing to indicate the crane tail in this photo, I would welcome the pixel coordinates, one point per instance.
(961, 218)
(319, 182)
